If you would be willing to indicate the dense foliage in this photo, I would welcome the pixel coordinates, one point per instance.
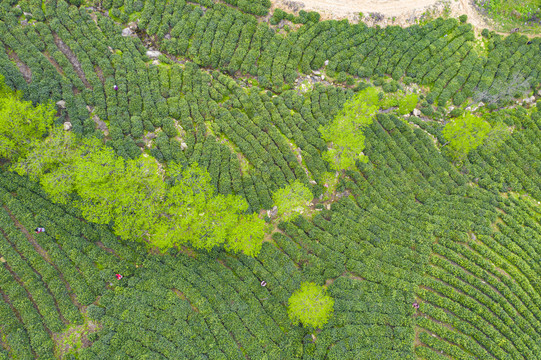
(310, 306)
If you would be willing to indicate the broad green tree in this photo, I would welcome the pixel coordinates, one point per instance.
(191, 214)
(310, 305)
(133, 196)
(21, 122)
(407, 103)
(465, 133)
(292, 200)
(345, 132)
(51, 161)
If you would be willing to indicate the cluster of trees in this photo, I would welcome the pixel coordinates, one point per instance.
(133, 195)
(345, 132)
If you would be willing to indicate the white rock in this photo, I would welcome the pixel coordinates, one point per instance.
(61, 104)
(127, 32)
(183, 145)
(539, 92)
(313, 182)
(153, 53)
(530, 100)
(27, 14)
(156, 62)
(481, 104)
(322, 77)
(315, 72)
(326, 62)
(416, 112)
(67, 126)
(273, 212)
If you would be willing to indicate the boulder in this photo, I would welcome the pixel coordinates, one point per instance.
(67, 126)
(127, 32)
(530, 100)
(416, 112)
(274, 211)
(183, 145)
(101, 125)
(24, 22)
(167, 36)
(315, 72)
(156, 62)
(313, 182)
(326, 62)
(27, 14)
(61, 104)
(153, 54)
(481, 104)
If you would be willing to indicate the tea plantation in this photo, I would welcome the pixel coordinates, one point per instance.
(427, 255)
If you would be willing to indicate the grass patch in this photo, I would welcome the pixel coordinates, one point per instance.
(511, 14)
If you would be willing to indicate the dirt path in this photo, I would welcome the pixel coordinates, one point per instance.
(349, 9)
(46, 256)
(389, 12)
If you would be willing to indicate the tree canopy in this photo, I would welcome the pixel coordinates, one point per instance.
(21, 122)
(133, 195)
(345, 132)
(465, 133)
(310, 306)
(292, 200)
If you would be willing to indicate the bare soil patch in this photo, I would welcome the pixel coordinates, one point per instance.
(23, 68)
(389, 12)
(46, 256)
(349, 9)
(54, 63)
(75, 337)
(72, 59)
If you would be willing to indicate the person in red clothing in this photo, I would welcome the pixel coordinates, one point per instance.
(40, 230)
(118, 276)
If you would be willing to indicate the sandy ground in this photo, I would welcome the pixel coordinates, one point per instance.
(351, 8)
(387, 12)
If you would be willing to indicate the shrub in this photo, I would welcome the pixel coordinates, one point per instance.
(310, 306)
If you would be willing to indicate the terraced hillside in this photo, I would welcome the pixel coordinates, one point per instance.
(426, 257)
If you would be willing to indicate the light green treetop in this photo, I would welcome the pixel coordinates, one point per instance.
(21, 122)
(134, 196)
(310, 306)
(465, 133)
(292, 200)
(407, 103)
(192, 214)
(345, 132)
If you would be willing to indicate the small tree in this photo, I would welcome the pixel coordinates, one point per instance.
(345, 132)
(310, 306)
(21, 122)
(407, 103)
(292, 200)
(465, 133)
